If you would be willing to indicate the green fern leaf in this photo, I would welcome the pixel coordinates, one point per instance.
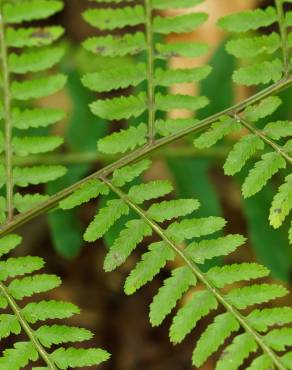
(195, 228)
(8, 325)
(19, 266)
(235, 354)
(151, 190)
(24, 203)
(171, 126)
(178, 101)
(290, 233)
(221, 276)
(287, 360)
(113, 79)
(2, 209)
(167, 210)
(124, 140)
(37, 175)
(279, 339)
(178, 24)
(57, 334)
(38, 88)
(166, 4)
(224, 127)
(187, 317)
(258, 176)
(128, 173)
(125, 243)
(174, 287)
(242, 151)
(24, 146)
(18, 356)
(201, 251)
(255, 294)
(149, 266)
(249, 20)
(27, 11)
(252, 46)
(34, 118)
(216, 333)
(265, 108)
(84, 194)
(282, 203)
(260, 73)
(105, 219)
(261, 320)
(123, 107)
(30, 285)
(109, 19)
(181, 49)
(33, 37)
(279, 129)
(79, 357)
(176, 76)
(8, 243)
(261, 363)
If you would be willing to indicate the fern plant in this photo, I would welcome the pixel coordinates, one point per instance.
(134, 70)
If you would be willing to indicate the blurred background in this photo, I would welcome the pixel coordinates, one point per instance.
(121, 323)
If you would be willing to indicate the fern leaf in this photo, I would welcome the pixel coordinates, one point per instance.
(30, 285)
(128, 173)
(187, 317)
(151, 190)
(35, 60)
(259, 73)
(166, 4)
(24, 146)
(279, 129)
(84, 194)
(8, 243)
(171, 126)
(235, 354)
(258, 176)
(249, 20)
(113, 46)
(178, 24)
(44, 310)
(24, 203)
(79, 357)
(18, 356)
(261, 363)
(120, 108)
(27, 11)
(287, 360)
(282, 203)
(8, 325)
(194, 228)
(57, 334)
(252, 46)
(261, 320)
(124, 140)
(109, 19)
(221, 276)
(181, 49)
(242, 151)
(265, 108)
(174, 287)
(176, 76)
(224, 127)
(178, 101)
(113, 79)
(126, 242)
(167, 210)
(216, 333)
(255, 294)
(33, 37)
(19, 266)
(38, 88)
(149, 266)
(2, 209)
(105, 219)
(279, 339)
(37, 175)
(34, 118)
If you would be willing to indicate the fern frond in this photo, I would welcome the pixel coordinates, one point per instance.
(178, 24)
(261, 320)
(282, 203)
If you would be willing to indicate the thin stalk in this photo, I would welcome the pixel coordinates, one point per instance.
(199, 274)
(140, 154)
(283, 33)
(7, 120)
(265, 138)
(150, 71)
(28, 330)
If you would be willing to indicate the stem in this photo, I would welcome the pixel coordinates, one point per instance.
(150, 72)
(199, 274)
(139, 154)
(8, 121)
(30, 333)
(265, 138)
(283, 34)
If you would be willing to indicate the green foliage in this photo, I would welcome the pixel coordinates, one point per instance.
(19, 319)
